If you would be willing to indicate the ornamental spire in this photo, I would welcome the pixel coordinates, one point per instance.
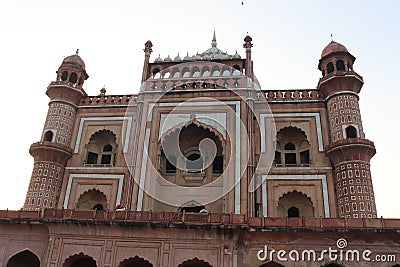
(214, 41)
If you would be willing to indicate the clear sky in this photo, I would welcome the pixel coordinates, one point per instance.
(288, 37)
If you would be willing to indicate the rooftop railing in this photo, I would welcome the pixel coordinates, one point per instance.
(109, 100)
(198, 219)
(292, 95)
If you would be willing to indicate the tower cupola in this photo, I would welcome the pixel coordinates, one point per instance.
(72, 71)
(336, 65)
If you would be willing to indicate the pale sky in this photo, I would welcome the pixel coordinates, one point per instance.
(288, 38)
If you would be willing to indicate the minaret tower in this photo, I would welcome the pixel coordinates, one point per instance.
(349, 151)
(53, 151)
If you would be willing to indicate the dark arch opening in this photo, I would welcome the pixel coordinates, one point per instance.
(194, 165)
(171, 165)
(293, 212)
(64, 75)
(290, 146)
(290, 157)
(195, 209)
(73, 78)
(340, 65)
(135, 262)
(194, 263)
(98, 207)
(351, 132)
(80, 260)
(107, 148)
(48, 136)
(24, 259)
(236, 67)
(330, 68)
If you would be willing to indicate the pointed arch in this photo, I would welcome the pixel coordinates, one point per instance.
(48, 136)
(101, 148)
(291, 128)
(195, 262)
(92, 199)
(295, 204)
(330, 68)
(180, 126)
(24, 258)
(80, 260)
(135, 262)
(293, 147)
(351, 132)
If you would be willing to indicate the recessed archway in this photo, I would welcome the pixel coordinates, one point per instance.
(24, 259)
(92, 200)
(195, 263)
(80, 260)
(295, 204)
(135, 262)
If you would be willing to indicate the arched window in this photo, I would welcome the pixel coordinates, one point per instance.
(186, 72)
(330, 68)
(195, 72)
(168, 165)
(166, 74)
(107, 154)
(340, 65)
(92, 200)
(171, 165)
(290, 154)
(194, 163)
(156, 73)
(351, 132)
(216, 71)
(205, 71)
(278, 157)
(64, 75)
(293, 212)
(295, 204)
(73, 78)
(292, 147)
(48, 136)
(175, 73)
(23, 259)
(101, 148)
(192, 156)
(218, 164)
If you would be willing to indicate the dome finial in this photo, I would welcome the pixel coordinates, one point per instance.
(214, 40)
(77, 51)
(332, 37)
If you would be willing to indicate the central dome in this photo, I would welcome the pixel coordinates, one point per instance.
(333, 47)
